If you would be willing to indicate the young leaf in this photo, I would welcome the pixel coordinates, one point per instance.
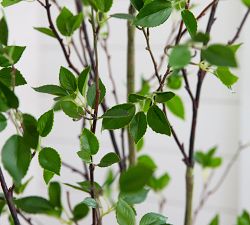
(101, 5)
(158, 121)
(50, 160)
(226, 77)
(125, 214)
(243, 219)
(80, 211)
(174, 81)
(83, 81)
(45, 123)
(189, 21)
(215, 220)
(71, 109)
(91, 93)
(118, 116)
(89, 142)
(67, 80)
(158, 184)
(90, 202)
(109, 159)
(4, 31)
(133, 98)
(219, 55)
(51, 89)
(67, 23)
(179, 57)
(3, 122)
(135, 178)
(162, 97)
(85, 156)
(55, 194)
(35, 205)
(138, 126)
(10, 55)
(7, 75)
(47, 176)
(46, 31)
(30, 135)
(16, 156)
(153, 14)
(147, 161)
(153, 218)
(176, 106)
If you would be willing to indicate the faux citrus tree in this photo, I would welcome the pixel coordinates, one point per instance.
(80, 94)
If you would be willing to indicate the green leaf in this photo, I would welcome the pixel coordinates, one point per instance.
(246, 2)
(162, 97)
(174, 81)
(219, 55)
(10, 55)
(91, 93)
(9, 96)
(47, 176)
(55, 194)
(138, 126)
(201, 37)
(85, 156)
(147, 161)
(90, 202)
(83, 81)
(176, 106)
(67, 23)
(11, 77)
(135, 178)
(71, 109)
(109, 159)
(51, 89)
(135, 197)
(85, 186)
(67, 80)
(138, 4)
(89, 142)
(243, 219)
(158, 184)
(45, 123)
(35, 205)
(3, 122)
(20, 188)
(4, 31)
(6, 3)
(133, 98)
(80, 211)
(30, 135)
(101, 5)
(225, 76)
(46, 31)
(153, 14)
(215, 220)
(118, 116)
(124, 16)
(158, 121)
(16, 156)
(153, 218)
(179, 57)
(50, 160)
(140, 145)
(125, 214)
(189, 21)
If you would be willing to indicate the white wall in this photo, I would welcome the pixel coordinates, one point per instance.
(223, 117)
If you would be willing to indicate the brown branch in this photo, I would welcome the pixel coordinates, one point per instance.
(28, 220)
(237, 35)
(9, 198)
(69, 205)
(74, 170)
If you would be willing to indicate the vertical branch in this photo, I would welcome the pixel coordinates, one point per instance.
(9, 198)
(131, 77)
